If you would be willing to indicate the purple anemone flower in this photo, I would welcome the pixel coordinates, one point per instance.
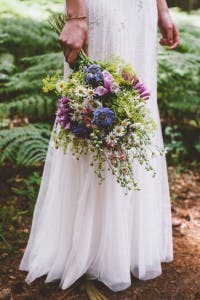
(80, 130)
(93, 75)
(103, 116)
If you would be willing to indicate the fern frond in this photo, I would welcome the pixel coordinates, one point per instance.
(31, 78)
(37, 107)
(25, 37)
(179, 85)
(24, 146)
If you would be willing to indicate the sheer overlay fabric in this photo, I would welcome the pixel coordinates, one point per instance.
(82, 227)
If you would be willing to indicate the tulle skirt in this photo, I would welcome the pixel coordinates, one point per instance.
(81, 227)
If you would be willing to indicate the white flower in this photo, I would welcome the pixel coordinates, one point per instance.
(61, 85)
(134, 99)
(119, 68)
(115, 87)
(76, 106)
(80, 91)
(136, 139)
(91, 103)
(90, 92)
(96, 104)
(138, 126)
(88, 102)
(119, 130)
(125, 122)
(111, 139)
(76, 116)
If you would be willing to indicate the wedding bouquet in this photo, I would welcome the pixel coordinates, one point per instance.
(102, 110)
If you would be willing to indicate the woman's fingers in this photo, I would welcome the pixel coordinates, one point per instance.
(70, 51)
(72, 39)
(170, 38)
(85, 46)
(163, 41)
(176, 38)
(73, 56)
(66, 52)
(170, 35)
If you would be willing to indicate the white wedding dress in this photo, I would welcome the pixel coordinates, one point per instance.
(82, 227)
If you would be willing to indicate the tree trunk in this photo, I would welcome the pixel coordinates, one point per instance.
(190, 5)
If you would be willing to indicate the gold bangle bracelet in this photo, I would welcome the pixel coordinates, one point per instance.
(76, 18)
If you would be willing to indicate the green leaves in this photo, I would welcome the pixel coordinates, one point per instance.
(24, 146)
(179, 90)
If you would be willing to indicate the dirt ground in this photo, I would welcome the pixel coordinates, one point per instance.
(179, 280)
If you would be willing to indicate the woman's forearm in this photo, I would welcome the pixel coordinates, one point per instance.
(162, 7)
(76, 8)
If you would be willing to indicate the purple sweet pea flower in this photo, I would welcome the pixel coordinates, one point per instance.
(63, 101)
(142, 90)
(107, 75)
(145, 94)
(128, 75)
(107, 82)
(63, 113)
(68, 126)
(101, 91)
(107, 79)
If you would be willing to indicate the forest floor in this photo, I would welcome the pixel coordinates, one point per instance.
(180, 279)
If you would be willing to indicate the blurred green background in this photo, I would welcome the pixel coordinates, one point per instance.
(29, 50)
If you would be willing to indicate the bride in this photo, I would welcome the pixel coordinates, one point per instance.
(80, 227)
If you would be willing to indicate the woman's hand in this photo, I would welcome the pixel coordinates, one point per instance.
(170, 33)
(73, 38)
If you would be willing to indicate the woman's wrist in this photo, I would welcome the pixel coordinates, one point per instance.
(76, 18)
(76, 9)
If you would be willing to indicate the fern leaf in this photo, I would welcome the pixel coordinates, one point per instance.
(25, 146)
(37, 107)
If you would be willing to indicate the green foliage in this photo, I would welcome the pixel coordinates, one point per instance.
(179, 90)
(197, 145)
(10, 217)
(179, 85)
(29, 51)
(29, 190)
(24, 145)
(6, 64)
(25, 37)
(36, 107)
(30, 79)
(23, 188)
(174, 144)
(37, 9)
